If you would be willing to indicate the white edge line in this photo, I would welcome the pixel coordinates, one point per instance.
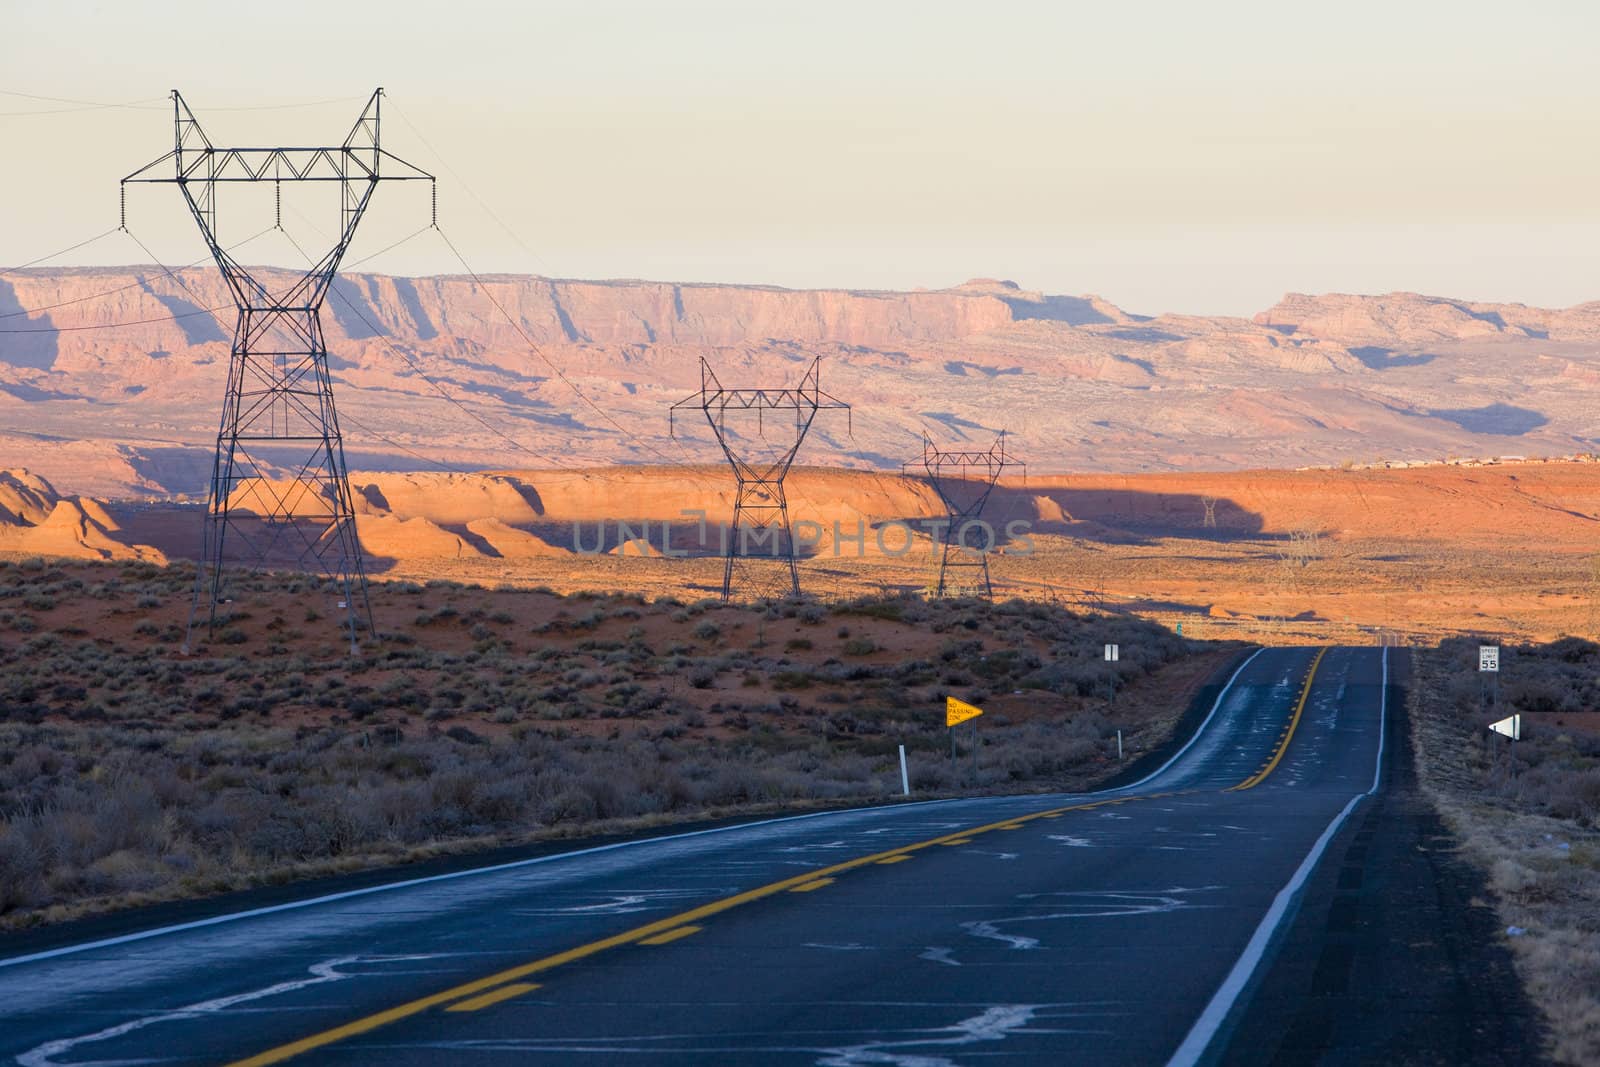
(292, 905)
(385, 887)
(1216, 707)
(1207, 1027)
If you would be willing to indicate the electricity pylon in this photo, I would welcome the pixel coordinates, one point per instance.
(760, 507)
(280, 493)
(964, 481)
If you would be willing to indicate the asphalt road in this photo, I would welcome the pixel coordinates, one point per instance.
(1128, 926)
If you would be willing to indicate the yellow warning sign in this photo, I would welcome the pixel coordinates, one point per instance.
(959, 711)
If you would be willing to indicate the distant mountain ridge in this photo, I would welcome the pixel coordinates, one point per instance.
(110, 377)
(1410, 318)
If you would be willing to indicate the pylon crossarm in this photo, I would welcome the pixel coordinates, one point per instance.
(769, 400)
(232, 165)
(140, 175)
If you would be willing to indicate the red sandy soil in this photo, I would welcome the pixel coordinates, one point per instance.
(495, 648)
(1504, 551)
(1580, 721)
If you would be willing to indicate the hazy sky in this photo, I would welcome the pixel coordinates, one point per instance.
(1169, 156)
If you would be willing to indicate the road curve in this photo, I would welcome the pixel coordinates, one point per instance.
(1121, 926)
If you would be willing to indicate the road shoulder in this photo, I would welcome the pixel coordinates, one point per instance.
(1394, 956)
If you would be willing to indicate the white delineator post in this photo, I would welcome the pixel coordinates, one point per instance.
(905, 779)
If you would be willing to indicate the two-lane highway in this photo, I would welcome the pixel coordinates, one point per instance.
(1124, 926)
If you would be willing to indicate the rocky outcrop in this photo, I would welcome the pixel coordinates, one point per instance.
(25, 498)
(389, 537)
(36, 520)
(508, 542)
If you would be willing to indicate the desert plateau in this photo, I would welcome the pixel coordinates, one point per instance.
(549, 656)
(799, 535)
(111, 376)
(1337, 466)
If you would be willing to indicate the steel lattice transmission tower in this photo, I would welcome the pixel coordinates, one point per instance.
(760, 508)
(964, 482)
(279, 494)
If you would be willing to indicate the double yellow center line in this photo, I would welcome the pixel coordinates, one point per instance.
(503, 985)
(1286, 735)
(680, 925)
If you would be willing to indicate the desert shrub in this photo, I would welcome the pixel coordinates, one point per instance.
(960, 651)
(621, 695)
(1575, 796)
(892, 610)
(96, 809)
(1004, 664)
(571, 804)
(1542, 694)
(791, 680)
(464, 735)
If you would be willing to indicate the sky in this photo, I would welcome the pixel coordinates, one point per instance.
(1171, 157)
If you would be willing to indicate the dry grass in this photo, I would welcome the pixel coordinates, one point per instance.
(130, 772)
(1528, 817)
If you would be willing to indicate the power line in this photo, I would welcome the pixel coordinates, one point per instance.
(413, 453)
(111, 292)
(57, 255)
(536, 350)
(514, 324)
(222, 325)
(148, 103)
(119, 325)
(277, 107)
(470, 190)
(176, 280)
(356, 263)
(382, 336)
